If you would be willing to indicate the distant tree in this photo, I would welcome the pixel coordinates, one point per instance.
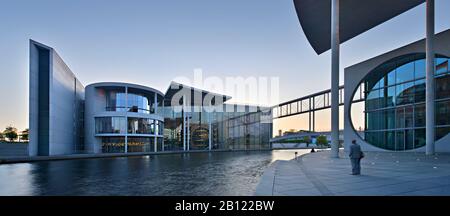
(2, 137)
(322, 140)
(10, 132)
(307, 140)
(24, 135)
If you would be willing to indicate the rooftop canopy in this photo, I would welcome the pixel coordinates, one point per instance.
(195, 96)
(356, 17)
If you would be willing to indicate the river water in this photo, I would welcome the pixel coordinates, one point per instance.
(213, 173)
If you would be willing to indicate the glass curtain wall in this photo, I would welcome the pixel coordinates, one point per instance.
(395, 103)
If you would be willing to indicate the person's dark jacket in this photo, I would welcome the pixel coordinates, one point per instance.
(355, 151)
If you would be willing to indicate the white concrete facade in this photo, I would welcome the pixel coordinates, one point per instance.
(55, 104)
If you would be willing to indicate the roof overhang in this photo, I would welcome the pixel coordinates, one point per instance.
(194, 95)
(355, 17)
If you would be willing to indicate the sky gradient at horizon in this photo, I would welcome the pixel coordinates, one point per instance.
(152, 42)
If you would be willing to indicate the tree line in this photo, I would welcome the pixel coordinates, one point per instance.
(11, 134)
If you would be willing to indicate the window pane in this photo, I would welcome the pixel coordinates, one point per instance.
(390, 99)
(405, 93)
(409, 122)
(443, 113)
(443, 86)
(390, 118)
(110, 125)
(441, 65)
(419, 113)
(419, 138)
(420, 68)
(400, 141)
(419, 91)
(400, 118)
(409, 139)
(405, 72)
(113, 144)
(373, 100)
(390, 140)
(391, 78)
(441, 132)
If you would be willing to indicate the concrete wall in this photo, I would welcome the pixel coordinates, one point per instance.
(13, 149)
(94, 103)
(65, 105)
(354, 74)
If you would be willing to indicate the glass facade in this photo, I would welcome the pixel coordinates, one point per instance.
(113, 144)
(110, 125)
(230, 128)
(140, 144)
(395, 103)
(236, 127)
(140, 103)
(136, 100)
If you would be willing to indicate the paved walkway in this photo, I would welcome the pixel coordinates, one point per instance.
(317, 174)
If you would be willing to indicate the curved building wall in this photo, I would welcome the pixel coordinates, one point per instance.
(356, 74)
(123, 117)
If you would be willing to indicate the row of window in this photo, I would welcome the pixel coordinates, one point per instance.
(134, 144)
(406, 116)
(395, 103)
(412, 70)
(117, 100)
(406, 93)
(400, 140)
(119, 125)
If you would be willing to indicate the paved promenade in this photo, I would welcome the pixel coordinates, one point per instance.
(317, 174)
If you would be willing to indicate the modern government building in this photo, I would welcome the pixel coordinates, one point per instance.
(110, 117)
(67, 118)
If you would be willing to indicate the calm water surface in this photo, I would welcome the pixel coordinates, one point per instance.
(216, 173)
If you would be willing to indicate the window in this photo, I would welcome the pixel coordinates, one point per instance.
(405, 72)
(114, 125)
(395, 102)
(140, 125)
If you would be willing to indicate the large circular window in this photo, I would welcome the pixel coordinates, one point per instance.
(394, 105)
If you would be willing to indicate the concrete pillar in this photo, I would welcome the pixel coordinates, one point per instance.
(184, 123)
(335, 42)
(156, 103)
(430, 81)
(188, 130)
(155, 140)
(126, 119)
(209, 131)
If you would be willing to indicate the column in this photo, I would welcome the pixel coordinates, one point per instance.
(156, 103)
(188, 130)
(126, 119)
(430, 81)
(209, 130)
(155, 143)
(335, 78)
(184, 124)
(155, 140)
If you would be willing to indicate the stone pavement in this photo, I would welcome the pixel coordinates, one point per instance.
(383, 173)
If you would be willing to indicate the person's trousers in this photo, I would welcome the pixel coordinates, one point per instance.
(356, 167)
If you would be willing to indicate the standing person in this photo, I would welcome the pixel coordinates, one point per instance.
(355, 157)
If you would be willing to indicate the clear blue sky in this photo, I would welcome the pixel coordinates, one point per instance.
(151, 42)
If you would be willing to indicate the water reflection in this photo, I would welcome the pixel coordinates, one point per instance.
(219, 173)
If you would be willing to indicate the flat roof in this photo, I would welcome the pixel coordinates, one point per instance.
(175, 87)
(122, 84)
(356, 17)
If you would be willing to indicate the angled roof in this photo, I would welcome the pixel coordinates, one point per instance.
(175, 87)
(356, 17)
